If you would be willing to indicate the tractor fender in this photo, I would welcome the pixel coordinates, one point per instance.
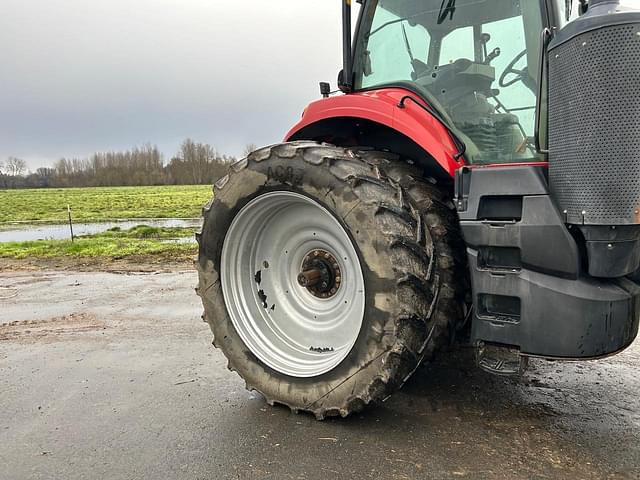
(382, 106)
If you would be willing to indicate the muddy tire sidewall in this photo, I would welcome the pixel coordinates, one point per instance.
(356, 218)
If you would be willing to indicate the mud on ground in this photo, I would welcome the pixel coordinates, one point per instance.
(132, 263)
(106, 375)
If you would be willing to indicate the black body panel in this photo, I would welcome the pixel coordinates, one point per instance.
(530, 289)
(536, 229)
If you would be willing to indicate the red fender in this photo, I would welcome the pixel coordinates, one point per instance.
(381, 106)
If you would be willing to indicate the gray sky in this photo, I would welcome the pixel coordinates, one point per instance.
(80, 76)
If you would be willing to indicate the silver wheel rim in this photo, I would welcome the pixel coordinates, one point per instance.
(280, 321)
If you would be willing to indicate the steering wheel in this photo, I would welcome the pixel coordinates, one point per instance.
(520, 75)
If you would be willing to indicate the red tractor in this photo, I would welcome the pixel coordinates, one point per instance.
(477, 178)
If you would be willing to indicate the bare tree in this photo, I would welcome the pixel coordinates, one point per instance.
(16, 166)
(195, 163)
(249, 148)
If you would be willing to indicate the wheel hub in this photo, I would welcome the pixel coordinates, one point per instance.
(320, 274)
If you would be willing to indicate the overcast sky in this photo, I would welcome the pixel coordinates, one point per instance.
(80, 76)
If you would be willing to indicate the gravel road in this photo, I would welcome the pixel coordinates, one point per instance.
(107, 375)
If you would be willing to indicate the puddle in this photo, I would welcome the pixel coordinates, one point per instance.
(24, 233)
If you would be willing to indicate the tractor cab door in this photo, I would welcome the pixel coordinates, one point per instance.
(475, 61)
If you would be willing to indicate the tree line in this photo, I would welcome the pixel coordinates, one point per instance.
(195, 163)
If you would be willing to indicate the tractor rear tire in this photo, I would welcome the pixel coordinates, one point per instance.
(407, 245)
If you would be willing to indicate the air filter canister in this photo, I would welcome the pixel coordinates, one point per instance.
(594, 133)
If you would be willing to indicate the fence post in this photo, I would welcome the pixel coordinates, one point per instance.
(70, 222)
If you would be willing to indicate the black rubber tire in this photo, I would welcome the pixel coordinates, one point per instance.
(408, 261)
(439, 213)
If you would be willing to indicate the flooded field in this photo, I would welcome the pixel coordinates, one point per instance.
(16, 232)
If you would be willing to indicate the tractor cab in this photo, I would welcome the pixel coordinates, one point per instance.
(476, 62)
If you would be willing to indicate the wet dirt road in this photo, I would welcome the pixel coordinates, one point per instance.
(113, 376)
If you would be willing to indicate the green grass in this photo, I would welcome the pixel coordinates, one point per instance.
(103, 203)
(143, 232)
(113, 244)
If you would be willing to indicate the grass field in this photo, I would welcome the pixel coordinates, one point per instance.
(113, 244)
(103, 203)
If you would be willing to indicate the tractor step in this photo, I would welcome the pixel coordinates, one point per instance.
(500, 359)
